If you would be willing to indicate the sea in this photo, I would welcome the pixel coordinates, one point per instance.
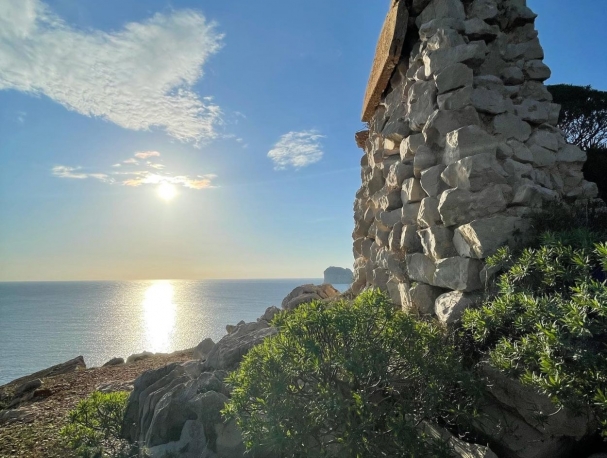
(47, 323)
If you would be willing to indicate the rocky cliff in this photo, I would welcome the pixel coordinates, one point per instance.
(338, 276)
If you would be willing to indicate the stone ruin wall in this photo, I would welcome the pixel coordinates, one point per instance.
(462, 145)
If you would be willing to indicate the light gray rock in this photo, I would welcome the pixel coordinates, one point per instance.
(457, 273)
(308, 293)
(460, 448)
(537, 70)
(114, 362)
(513, 75)
(482, 238)
(454, 77)
(394, 239)
(429, 29)
(472, 54)
(387, 220)
(229, 351)
(489, 101)
(483, 9)
(455, 100)
(538, 112)
(534, 196)
(431, 181)
(458, 206)
(428, 213)
(545, 139)
(139, 357)
(421, 103)
(442, 39)
(571, 153)
(409, 146)
(412, 191)
(437, 242)
(420, 268)
(409, 213)
(477, 29)
(424, 159)
(398, 173)
(468, 141)
(449, 307)
(269, 314)
(423, 298)
(203, 348)
(475, 173)
(520, 151)
(542, 157)
(440, 9)
(229, 442)
(410, 241)
(510, 126)
(442, 122)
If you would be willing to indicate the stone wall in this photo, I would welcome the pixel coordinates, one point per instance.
(461, 148)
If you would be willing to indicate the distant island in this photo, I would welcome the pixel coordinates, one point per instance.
(338, 276)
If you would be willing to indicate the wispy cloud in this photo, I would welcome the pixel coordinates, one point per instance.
(147, 154)
(297, 150)
(144, 177)
(63, 171)
(131, 161)
(139, 78)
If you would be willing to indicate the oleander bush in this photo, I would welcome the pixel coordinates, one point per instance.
(546, 324)
(350, 379)
(93, 427)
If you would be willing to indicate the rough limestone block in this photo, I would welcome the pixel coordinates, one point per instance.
(428, 213)
(454, 77)
(442, 122)
(412, 191)
(529, 50)
(517, 170)
(423, 297)
(395, 237)
(545, 139)
(537, 70)
(482, 238)
(472, 54)
(450, 307)
(489, 101)
(387, 219)
(457, 273)
(477, 29)
(437, 242)
(458, 206)
(409, 240)
(571, 153)
(429, 29)
(398, 173)
(510, 126)
(431, 180)
(542, 157)
(455, 100)
(439, 9)
(424, 159)
(535, 196)
(475, 173)
(513, 76)
(410, 212)
(399, 292)
(380, 278)
(468, 141)
(483, 9)
(538, 112)
(520, 151)
(387, 200)
(366, 248)
(442, 39)
(421, 102)
(420, 268)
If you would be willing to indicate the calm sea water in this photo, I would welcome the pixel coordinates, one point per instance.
(46, 323)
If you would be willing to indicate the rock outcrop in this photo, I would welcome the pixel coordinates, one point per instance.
(338, 276)
(461, 147)
(308, 293)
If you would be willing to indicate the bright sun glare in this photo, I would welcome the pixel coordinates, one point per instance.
(166, 191)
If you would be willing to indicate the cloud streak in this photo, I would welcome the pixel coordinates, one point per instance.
(296, 150)
(139, 78)
(63, 171)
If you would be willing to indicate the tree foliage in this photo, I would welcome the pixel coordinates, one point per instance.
(547, 324)
(93, 427)
(350, 379)
(583, 115)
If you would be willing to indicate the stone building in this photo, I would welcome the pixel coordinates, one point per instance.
(461, 147)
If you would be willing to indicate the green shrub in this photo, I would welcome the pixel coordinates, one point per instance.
(93, 428)
(547, 324)
(349, 379)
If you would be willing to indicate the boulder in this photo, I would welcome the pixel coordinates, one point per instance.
(431, 181)
(437, 61)
(455, 100)
(508, 125)
(459, 206)
(490, 101)
(420, 268)
(482, 238)
(437, 242)
(441, 122)
(468, 141)
(203, 348)
(441, 9)
(412, 191)
(475, 173)
(409, 240)
(308, 293)
(423, 298)
(449, 307)
(421, 103)
(457, 273)
(114, 362)
(139, 357)
(428, 213)
(454, 77)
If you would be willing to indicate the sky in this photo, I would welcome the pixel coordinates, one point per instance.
(200, 139)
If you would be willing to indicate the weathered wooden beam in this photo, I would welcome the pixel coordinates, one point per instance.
(387, 54)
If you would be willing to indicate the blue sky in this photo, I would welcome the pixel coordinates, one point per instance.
(246, 109)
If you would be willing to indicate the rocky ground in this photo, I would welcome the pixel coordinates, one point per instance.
(31, 428)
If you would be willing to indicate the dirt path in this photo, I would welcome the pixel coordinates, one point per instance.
(37, 435)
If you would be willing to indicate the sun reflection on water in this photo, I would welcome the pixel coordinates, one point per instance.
(159, 316)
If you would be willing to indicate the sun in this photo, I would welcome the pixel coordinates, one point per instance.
(166, 191)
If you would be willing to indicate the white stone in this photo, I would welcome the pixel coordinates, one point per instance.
(472, 53)
(468, 141)
(409, 146)
(489, 101)
(483, 9)
(449, 307)
(424, 159)
(477, 29)
(431, 180)
(421, 102)
(531, 195)
(542, 157)
(454, 77)
(423, 297)
(437, 242)
(399, 172)
(520, 151)
(442, 122)
(412, 191)
(420, 268)
(410, 212)
(395, 236)
(442, 39)
(537, 70)
(455, 100)
(545, 139)
(482, 238)
(571, 153)
(428, 213)
(458, 206)
(440, 9)
(457, 273)
(510, 126)
(475, 173)
(387, 219)
(538, 112)
(410, 241)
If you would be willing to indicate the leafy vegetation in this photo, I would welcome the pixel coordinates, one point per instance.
(350, 379)
(93, 428)
(547, 323)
